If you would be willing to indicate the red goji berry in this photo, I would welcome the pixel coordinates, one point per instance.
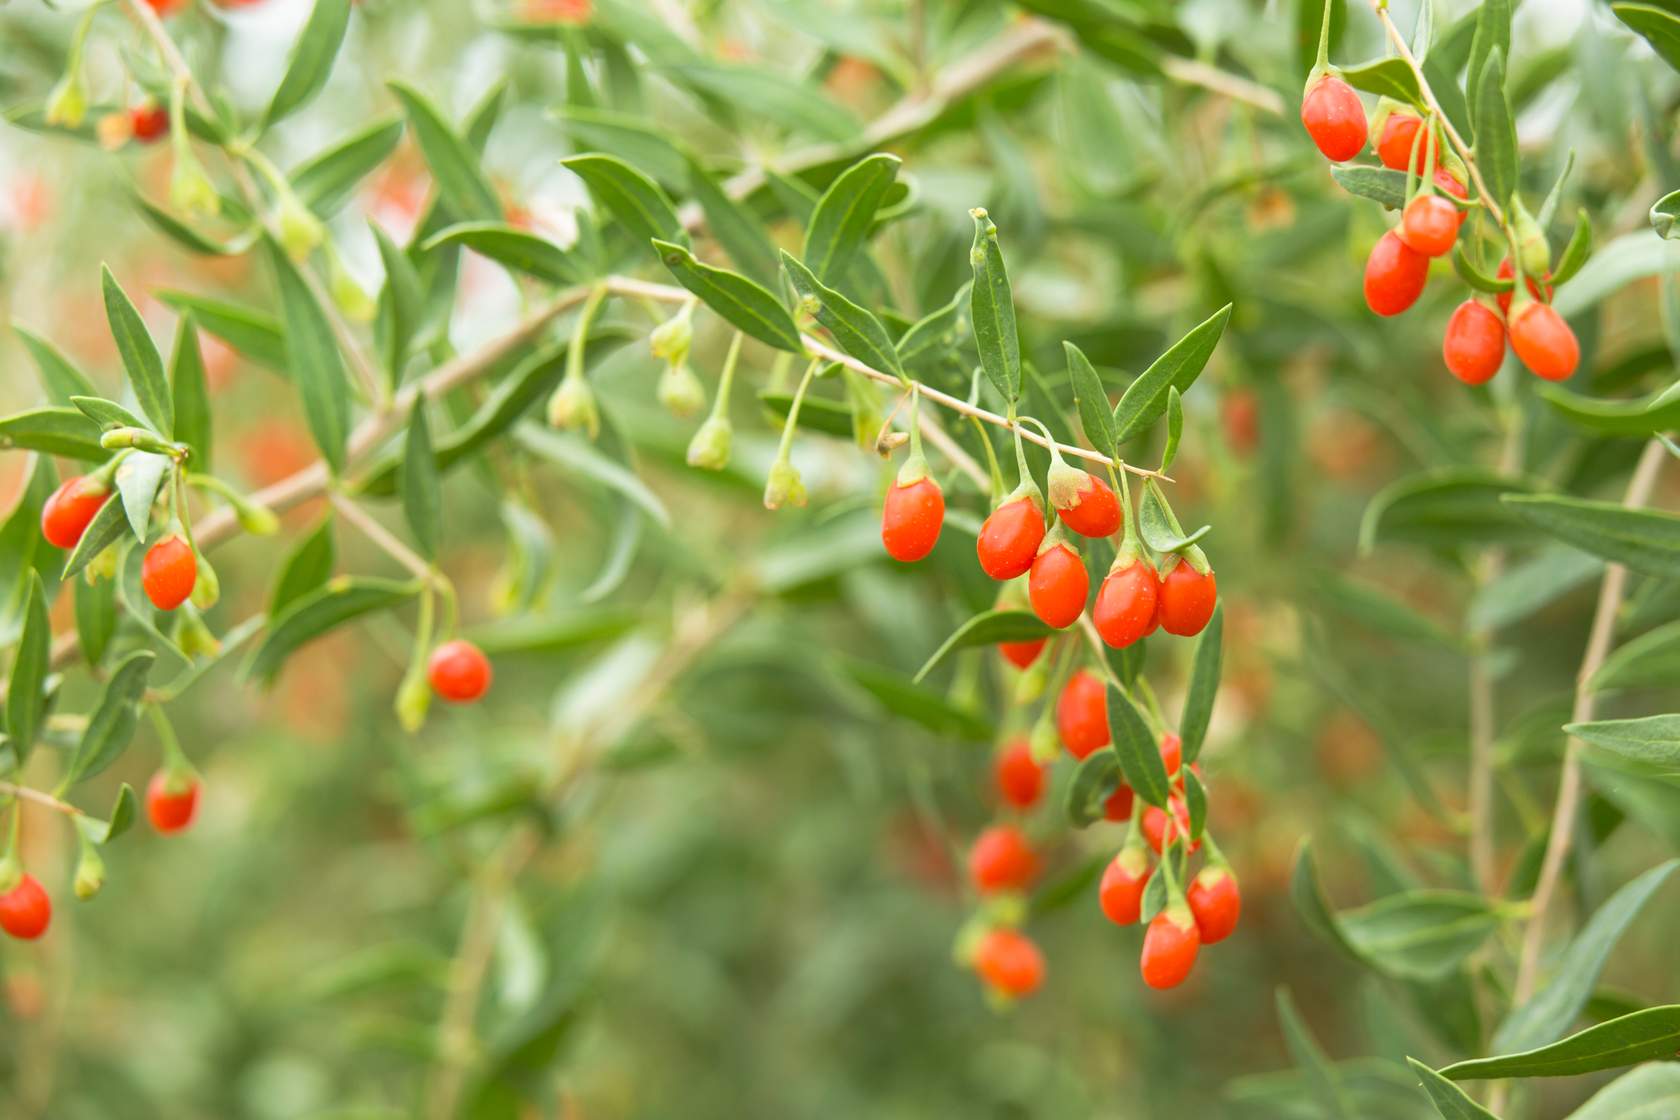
(1161, 829)
(1082, 714)
(169, 572)
(912, 518)
(1395, 274)
(1022, 654)
(1507, 272)
(171, 802)
(1118, 805)
(66, 514)
(1399, 134)
(1123, 882)
(1009, 962)
(148, 122)
(1126, 604)
(1429, 224)
(1172, 755)
(459, 671)
(1334, 118)
(1215, 902)
(1002, 860)
(1019, 778)
(1544, 341)
(1093, 509)
(25, 910)
(1474, 344)
(1010, 537)
(1059, 585)
(1187, 599)
(1446, 181)
(1170, 947)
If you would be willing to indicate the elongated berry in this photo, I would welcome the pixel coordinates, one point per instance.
(1121, 892)
(1090, 507)
(66, 514)
(171, 802)
(1019, 778)
(459, 672)
(1506, 272)
(1002, 860)
(911, 519)
(1394, 146)
(1544, 341)
(1058, 586)
(1187, 599)
(1429, 224)
(169, 572)
(1126, 604)
(1161, 828)
(1082, 714)
(1022, 654)
(1170, 947)
(25, 910)
(1474, 344)
(1009, 962)
(1334, 118)
(1215, 902)
(1395, 274)
(1010, 537)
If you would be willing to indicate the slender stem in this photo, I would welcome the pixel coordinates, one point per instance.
(39, 797)
(384, 538)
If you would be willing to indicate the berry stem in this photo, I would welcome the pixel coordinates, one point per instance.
(385, 540)
(785, 447)
(175, 762)
(994, 468)
(726, 379)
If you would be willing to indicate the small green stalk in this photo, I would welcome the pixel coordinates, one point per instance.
(178, 770)
(710, 447)
(11, 868)
(573, 407)
(784, 486)
(190, 189)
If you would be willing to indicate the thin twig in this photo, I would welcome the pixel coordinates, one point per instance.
(25, 793)
(381, 536)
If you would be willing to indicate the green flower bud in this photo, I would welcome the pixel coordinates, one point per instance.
(573, 408)
(67, 105)
(190, 189)
(670, 340)
(193, 638)
(784, 487)
(709, 449)
(356, 304)
(414, 697)
(207, 589)
(300, 230)
(90, 872)
(680, 391)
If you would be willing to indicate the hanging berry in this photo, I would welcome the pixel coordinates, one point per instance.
(1121, 892)
(1507, 272)
(1082, 714)
(1162, 828)
(1059, 584)
(1474, 344)
(1011, 534)
(66, 514)
(1086, 503)
(1544, 341)
(25, 910)
(1429, 225)
(171, 801)
(1022, 654)
(915, 508)
(1394, 145)
(1187, 598)
(459, 671)
(1215, 902)
(1009, 962)
(169, 572)
(1395, 274)
(1334, 117)
(1018, 776)
(1170, 947)
(1002, 860)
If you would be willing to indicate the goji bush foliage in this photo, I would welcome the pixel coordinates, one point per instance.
(835, 557)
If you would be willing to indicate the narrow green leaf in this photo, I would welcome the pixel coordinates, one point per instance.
(1644, 1036)
(987, 628)
(845, 214)
(186, 236)
(1321, 1075)
(1653, 740)
(139, 356)
(325, 181)
(1134, 745)
(1386, 77)
(315, 613)
(736, 228)
(256, 334)
(422, 493)
(855, 328)
(1475, 277)
(1492, 35)
(307, 568)
(992, 312)
(109, 415)
(512, 248)
(1651, 660)
(402, 306)
(631, 197)
(631, 138)
(139, 478)
(765, 94)
(1449, 1100)
(1204, 686)
(1576, 252)
(1659, 25)
(106, 528)
(26, 696)
(191, 394)
(123, 811)
(1419, 935)
(1146, 398)
(112, 723)
(461, 182)
(1094, 781)
(313, 358)
(66, 432)
(59, 376)
(1637, 419)
(579, 455)
(1096, 415)
(742, 302)
(1496, 134)
(921, 706)
(1379, 184)
(1157, 525)
(96, 618)
(1443, 507)
(1175, 426)
(1645, 540)
(1648, 1093)
(311, 59)
(935, 337)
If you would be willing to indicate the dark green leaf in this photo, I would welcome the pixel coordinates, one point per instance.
(1576, 252)
(1645, 540)
(1473, 276)
(584, 458)
(112, 723)
(96, 618)
(840, 225)
(1094, 780)
(325, 181)
(122, 818)
(1095, 413)
(992, 312)
(936, 336)
(1419, 935)
(1175, 426)
(402, 306)
(1445, 507)
(422, 493)
(1449, 1100)
(61, 379)
(1134, 745)
(461, 182)
(26, 695)
(1204, 686)
(855, 328)
(139, 356)
(742, 302)
(312, 356)
(1322, 1077)
(315, 613)
(1632, 418)
(1387, 77)
(65, 432)
(311, 59)
(1379, 184)
(1650, 1035)
(1496, 134)
(735, 227)
(308, 567)
(254, 333)
(631, 197)
(919, 705)
(512, 248)
(986, 629)
(106, 528)
(191, 394)
(1146, 398)
(1492, 36)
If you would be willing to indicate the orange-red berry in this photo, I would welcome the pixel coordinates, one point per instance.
(168, 572)
(1082, 714)
(1019, 778)
(1170, 947)
(1010, 537)
(1544, 341)
(1394, 275)
(1095, 510)
(1002, 860)
(1172, 755)
(1118, 805)
(1121, 891)
(1161, 828)
(1058, 586)
(1474, 345)
(1394, 146)
(171, 803)
(1507, 272)
(1187, 599)
(25, 910)
(67, 513)
(148, 122)
(1022, 654)
(459, 671)
(912, 518)
(1008, 960)
(1334, 118)
(1215, 902)
(1429, 224)
(1126, 604)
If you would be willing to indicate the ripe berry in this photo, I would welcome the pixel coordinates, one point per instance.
(459, 671)
(1394, 275)
(1172, 755)
(1429, 224)
(1126, 602)
(1187, 600)
(1544, 341)
(1118, 806)
(170, 803)
(1094, 510)
(1215, 902)
(1019, 778)
(1506, 272)
(1082, 714)
(1058, 586)
(65, 516)
(169, 572)
(1161, 830)
(912, 518)
(1169, 948)
(1334, 118)
(1121, 891)
(1010, 537)
(1008, 961)
(25, 910)
(1394, 147)
(1447, 182)
(1474, 345)
(148, 122)
(1002, 860)
(1022, 654)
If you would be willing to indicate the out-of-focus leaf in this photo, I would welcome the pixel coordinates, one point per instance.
(1094, 779)
(1204, 686)
(768, 95)
(191, 394)
(1619, 262)
(422, 492)
(122, 817)
(631, 197)
(1420, 935)
(1551, 573)
(1646, 1093)
(578, 455)
(26, 696)
(1659, 25)
(1635, 419)
(1445, 507)
(1449, 1100)
(986, 629)
(1651, 660)
(454, 163)
(112, 723)
(402, 306)
(1644, 1036)
(736, 228)
(314, 614)
(1645, 540)
(307, 567)
(313, 358)
(325, 181)
(1665, 215)
(59, 376)
(96, 618)
(1379, 184)
(254, 333)
(513, 248)
(919, 705)
(1322, 1077)
(311, 59)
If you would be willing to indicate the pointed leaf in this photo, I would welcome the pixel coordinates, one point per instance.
(96, 618)
(309, 566)
(919, 705)
(631, 197)
(1496, 134)
(1419, 935)
(845, 214)
(584, 458)
(191, 394)
(1094, 781)
(1651, 660)
(422, 494)
(139, 357)
(1134, 745)
(256, 334)
(311, 59)
(1443, 507)
(1449, 1100)
(934, 337)
(1648, 1093)
(59, 376)
(325, 181)
(742, 302)
(1322, 1077)
(1576, 252)
(1645, 540)
(106, 528)
(1146, 398)
(1644, 1036)
(111, 726)
(1386, 77)
(1658, 24)
(736, 228)
(512, 248)
(992, 312)
(66, 432)
(1379, 184)
(855, 328)
(315, 613)
(1652, 740)
(1204, 686)
(402, 306)
(139, 478)
(987, 628)
(313, 358)
(462, 185)
(1096, 415)
(26, 695)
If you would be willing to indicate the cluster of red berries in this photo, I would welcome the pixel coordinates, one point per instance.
(1473, 346)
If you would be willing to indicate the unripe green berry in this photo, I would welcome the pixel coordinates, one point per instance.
(709, 449)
